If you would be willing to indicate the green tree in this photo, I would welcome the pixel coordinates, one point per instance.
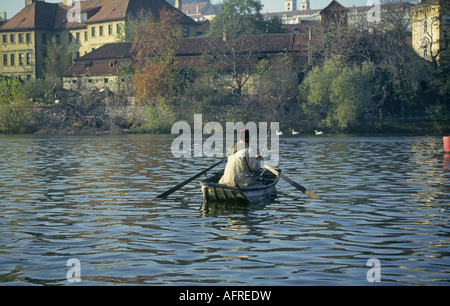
(57, 62)
(13, 105)
(128, 32)
(39, 90)
(274, 25)
(337, 96)
(125, 74)
(238, 17)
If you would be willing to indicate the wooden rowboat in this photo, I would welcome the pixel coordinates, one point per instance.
(215, 192)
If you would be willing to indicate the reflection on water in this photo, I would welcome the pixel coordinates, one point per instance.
(92, 198)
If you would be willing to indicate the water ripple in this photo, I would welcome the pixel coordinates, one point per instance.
(91, 198)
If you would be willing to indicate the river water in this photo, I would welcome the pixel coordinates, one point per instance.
(90, 198)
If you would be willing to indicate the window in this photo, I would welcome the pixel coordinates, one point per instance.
(20, 59)
(70, 38)
(100, 30)
(28, 77)
(5, 60)
(5, 39)
(20, 38)
(77, 37)
(85, 35)
(110, 29)
(57, 39)
(118, 28)
(425, 26)
(12, 38)
(12, 60)
(28, 58)
(185, 32)
(28, 38)
(425, 47)
(93, 31)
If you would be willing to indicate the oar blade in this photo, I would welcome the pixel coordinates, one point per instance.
(309, 193)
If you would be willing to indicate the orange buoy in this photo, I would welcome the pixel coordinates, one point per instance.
(447, 161)
(447, 144)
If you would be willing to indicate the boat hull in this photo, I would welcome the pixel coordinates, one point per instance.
(215, 192)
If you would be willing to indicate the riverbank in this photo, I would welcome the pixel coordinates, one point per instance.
(102, 112)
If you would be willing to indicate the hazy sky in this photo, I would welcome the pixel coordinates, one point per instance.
(12, 7)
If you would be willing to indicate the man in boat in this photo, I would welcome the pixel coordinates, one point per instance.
(242, 163)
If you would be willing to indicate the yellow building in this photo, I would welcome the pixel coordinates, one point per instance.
(83, 26)
(430, 28)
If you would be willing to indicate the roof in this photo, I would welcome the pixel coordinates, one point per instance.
(26, 18)
(108, 51)
(194, 8)
(97, 61)
(53, 16)
(303, 27)
(385, 6)
(334, 5)
(290, 13)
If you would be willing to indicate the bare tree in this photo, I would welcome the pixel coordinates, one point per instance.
(233, 56)
(233, 46)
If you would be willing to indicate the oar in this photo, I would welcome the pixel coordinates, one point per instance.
(295, 184)
(175, 188)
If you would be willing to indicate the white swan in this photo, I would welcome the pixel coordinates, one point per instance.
(294, 132)
(279, 133)
(318, 132)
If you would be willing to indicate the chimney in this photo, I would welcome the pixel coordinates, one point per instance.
(178, 4)
(2, 16)
(68, 3)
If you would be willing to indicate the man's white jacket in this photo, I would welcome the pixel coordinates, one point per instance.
(241, 165)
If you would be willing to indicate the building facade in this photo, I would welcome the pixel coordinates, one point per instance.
(430, 28)
(201, 11)
(304, 5)
(291, 5)
(82, 26)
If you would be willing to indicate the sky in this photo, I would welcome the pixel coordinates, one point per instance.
(12, 7)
